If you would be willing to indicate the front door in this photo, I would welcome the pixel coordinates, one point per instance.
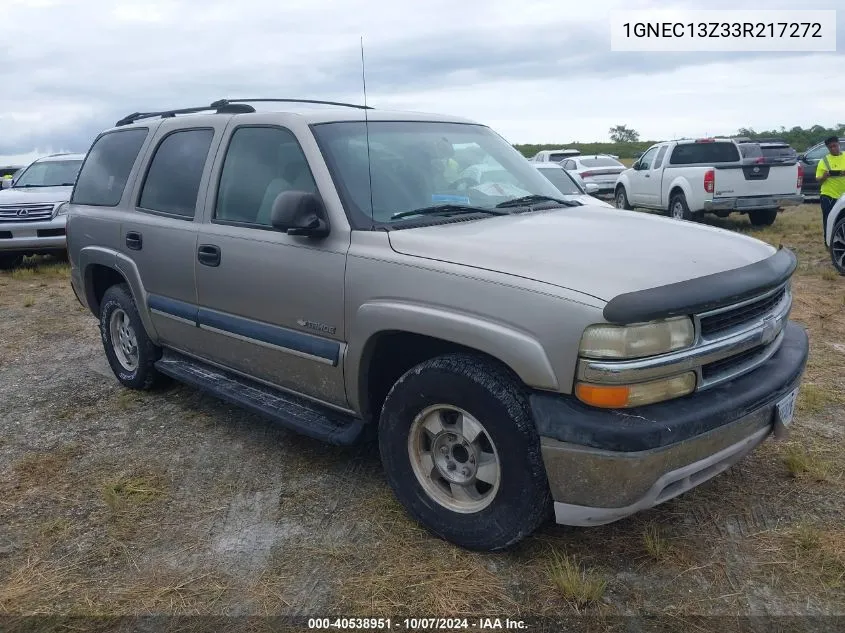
(270, 304)
(641, 179)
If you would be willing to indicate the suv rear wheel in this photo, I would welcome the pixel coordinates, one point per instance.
(129, 350)
(462, 454)
(763, 217)
(9, 261)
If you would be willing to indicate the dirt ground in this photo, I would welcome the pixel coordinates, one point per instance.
(114, 502)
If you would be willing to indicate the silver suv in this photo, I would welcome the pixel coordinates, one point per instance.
(32, 210)
(343, 271)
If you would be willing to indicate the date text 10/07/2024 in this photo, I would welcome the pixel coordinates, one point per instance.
(418, 624)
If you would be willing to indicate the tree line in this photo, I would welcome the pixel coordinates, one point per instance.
(625, 142)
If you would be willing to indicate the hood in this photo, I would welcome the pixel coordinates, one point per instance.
(35, 195)
(591, 249)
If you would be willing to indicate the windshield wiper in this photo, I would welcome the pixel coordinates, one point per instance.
(446, 209)
(529, 200)
(28, 186)
(66, 184)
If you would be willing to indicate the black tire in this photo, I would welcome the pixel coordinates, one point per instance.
(763, 217)
(837, 246)
(620, 199)
(10, 261)
(488, 393)
(143, 375)
(679, 209)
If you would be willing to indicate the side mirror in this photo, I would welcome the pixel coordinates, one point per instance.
(802, 158)
(5, 183)
(300, 213)
(592, 188)
(636, 166)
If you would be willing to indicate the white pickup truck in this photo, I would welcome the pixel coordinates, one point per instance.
(690, 177)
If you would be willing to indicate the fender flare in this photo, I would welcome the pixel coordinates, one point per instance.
(517, 349)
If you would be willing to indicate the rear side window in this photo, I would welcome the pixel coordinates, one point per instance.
(103, 176)
(173, 180)
(692, 153)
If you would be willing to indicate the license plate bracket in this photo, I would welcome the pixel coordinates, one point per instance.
(784, 413)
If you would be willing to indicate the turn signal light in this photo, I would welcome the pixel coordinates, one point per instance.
(637, 395)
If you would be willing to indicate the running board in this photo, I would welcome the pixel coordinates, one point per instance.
(294, 412)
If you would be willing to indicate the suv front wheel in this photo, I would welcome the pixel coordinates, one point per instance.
(129, 350)
(462, 454)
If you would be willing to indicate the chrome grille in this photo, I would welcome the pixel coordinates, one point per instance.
(25, 212)
(729, 318)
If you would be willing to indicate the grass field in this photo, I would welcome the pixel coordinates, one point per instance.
(118, 503)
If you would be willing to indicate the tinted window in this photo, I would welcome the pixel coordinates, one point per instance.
(709, 153)
(817, 153)
(260, 163)
(600, 161)
(645, 160)
(562, 180)
(659, 160)
(556, 158)
(106, 169)
(173, 180)
(50, 173)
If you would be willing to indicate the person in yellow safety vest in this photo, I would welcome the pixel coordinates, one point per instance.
(451, 169)
(830, 173)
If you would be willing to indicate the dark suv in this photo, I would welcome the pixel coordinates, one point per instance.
(809, 161)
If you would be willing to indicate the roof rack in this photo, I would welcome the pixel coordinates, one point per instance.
(228, 106)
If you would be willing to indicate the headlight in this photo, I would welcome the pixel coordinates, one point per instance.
(636, 341)
(637, 395)
(61, 209)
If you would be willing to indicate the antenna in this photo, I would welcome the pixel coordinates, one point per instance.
(367, 133)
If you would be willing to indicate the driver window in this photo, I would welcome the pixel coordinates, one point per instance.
(260, 163)
(818, 153)
(645, 161)
(659, 160)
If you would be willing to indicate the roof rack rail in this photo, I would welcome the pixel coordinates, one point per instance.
(228, 106)
(226, 102)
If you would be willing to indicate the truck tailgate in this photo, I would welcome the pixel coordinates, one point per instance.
(739, 181)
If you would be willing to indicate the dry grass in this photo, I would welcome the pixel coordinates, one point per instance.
(655, 542)
(801, 463)
(580, 587)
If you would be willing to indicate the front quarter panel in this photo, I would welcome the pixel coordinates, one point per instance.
(533, 328)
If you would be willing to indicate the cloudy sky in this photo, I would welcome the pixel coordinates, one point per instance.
(535, 70)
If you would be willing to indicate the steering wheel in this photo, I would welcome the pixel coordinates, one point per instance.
(470, 182)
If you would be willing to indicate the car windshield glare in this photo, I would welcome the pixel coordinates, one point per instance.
(54, 173)
(420, 164)
(562, 181)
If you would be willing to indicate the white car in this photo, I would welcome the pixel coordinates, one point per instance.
(598, 169)
(32, 210)
(553, 155)
(568, 185)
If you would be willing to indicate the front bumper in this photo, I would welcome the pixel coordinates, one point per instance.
(754, 203)
(604, 465)
(33, 237)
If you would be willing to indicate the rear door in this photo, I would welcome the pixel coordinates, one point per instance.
(736, 177)
(160, 236)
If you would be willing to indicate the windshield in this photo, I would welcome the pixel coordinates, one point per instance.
(416, 165)
(601, 161)
(53, 173)
(562, 181)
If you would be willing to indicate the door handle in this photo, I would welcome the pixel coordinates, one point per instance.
(134, 240)
(648, 175)
(208, 254)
